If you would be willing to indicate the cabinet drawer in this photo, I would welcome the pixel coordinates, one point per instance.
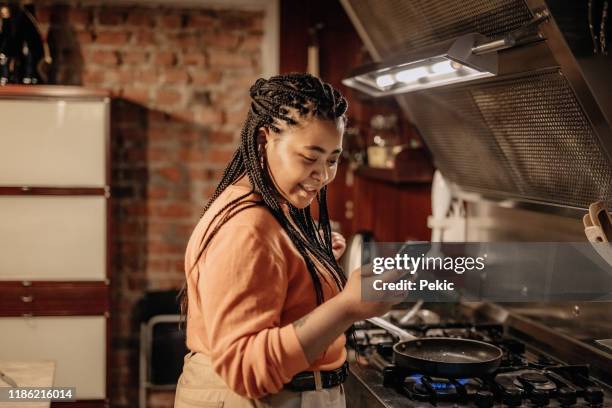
(53, 143)
(53, 238)
(77, 344)
(53, 298)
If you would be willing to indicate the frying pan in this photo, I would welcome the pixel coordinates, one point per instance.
(442, 356)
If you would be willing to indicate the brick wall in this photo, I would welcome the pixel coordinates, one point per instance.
(180, 81)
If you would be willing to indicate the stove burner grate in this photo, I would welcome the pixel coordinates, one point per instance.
(522, 378)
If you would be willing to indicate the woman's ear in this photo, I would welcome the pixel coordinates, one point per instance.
(262, 135)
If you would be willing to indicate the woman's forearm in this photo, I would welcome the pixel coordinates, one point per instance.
(319, 328)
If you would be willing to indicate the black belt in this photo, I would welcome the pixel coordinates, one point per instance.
(306, 381)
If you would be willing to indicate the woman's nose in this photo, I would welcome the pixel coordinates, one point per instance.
(321, 175)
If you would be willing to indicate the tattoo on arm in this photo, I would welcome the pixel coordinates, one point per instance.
(300, 322)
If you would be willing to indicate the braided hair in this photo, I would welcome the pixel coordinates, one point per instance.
(276, 103)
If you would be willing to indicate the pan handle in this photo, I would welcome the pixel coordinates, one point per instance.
(391, 328)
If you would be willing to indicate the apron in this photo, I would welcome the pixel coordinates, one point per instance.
(200, 387)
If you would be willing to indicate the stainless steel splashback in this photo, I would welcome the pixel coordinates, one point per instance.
(537, 133)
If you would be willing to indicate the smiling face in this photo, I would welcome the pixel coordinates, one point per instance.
(303, 158)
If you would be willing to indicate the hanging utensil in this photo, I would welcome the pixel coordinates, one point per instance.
(600, 218)
(598, 229)
(594, 233)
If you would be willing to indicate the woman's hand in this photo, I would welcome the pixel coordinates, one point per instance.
(318, 329)
(338, 244)
(352, 294)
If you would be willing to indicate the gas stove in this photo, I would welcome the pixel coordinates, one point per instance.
(525, 378)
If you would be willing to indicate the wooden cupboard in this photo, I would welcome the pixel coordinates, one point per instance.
(393, 212)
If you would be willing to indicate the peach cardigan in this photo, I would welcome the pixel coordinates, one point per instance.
(246, 290)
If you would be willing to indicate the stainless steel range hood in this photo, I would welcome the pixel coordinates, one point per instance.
(538, 134)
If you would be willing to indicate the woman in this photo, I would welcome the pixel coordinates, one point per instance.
(267, 304)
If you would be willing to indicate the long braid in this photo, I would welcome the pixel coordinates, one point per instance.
(283, 99)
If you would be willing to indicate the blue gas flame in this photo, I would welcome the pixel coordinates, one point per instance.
(440, 385)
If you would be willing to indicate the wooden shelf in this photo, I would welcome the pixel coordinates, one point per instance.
(394, 176)
(56, 91)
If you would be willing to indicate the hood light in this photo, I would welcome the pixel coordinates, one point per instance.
(452, 62)
(465, 58)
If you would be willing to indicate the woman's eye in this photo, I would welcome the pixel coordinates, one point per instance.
(333, 162)
(309, 159)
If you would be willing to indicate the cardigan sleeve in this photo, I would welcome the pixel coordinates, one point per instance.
(242, 287)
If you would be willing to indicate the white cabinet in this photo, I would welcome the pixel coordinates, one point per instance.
(54, 233)
(53, 238)
(53, 142)
(76, 343)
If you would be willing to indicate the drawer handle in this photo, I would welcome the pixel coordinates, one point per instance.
(27, 299)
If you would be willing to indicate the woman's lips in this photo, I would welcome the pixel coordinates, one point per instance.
(310, 191)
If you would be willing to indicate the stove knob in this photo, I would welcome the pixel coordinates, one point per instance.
(566, 396)
(390, 376)
(512, 397)
(539, 398)
(594, 395)
(484, 399)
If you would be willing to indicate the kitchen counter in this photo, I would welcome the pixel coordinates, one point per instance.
(28, 374)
